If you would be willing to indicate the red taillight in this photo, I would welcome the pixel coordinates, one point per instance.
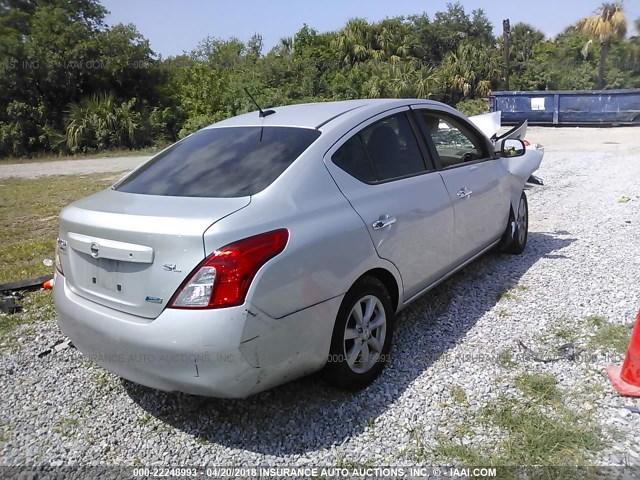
(224, 277)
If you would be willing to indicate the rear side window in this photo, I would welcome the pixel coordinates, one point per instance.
(383, 151)
(221, 162)
(353, 159)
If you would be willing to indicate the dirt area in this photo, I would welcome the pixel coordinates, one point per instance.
(71, 167)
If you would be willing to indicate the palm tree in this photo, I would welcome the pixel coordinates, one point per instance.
(608, 23)
(354, 42)
(285, 46)
(467, 72)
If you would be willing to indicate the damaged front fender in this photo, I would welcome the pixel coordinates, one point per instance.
(521, 170)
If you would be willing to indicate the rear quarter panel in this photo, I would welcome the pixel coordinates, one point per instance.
(328, 249)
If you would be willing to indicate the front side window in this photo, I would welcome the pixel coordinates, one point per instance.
(454, 142)
(221, 162)
(383, 151)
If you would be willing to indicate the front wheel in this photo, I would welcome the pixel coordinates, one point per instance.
(521, 232)
(362, 334)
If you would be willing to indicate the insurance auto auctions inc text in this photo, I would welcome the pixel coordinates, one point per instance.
(358, 472)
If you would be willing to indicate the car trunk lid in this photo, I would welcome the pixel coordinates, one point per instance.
(131, 252)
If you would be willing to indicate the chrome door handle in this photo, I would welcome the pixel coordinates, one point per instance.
(464, 192)
(383, 223)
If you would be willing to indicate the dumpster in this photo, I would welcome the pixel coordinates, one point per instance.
(579, 107)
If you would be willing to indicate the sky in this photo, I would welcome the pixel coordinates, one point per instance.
(174, 27)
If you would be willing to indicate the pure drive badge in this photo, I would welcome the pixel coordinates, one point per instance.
(153, 299)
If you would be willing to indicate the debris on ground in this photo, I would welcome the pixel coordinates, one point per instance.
(631, 408)
(8, 305)
(57, 347)
(30, 284)
(567, 352)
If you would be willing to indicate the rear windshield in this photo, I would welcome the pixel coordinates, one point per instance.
(221, 162)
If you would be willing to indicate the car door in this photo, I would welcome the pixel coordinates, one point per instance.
(381, 170)
(476, 181)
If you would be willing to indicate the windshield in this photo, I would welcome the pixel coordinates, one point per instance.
(221, 162)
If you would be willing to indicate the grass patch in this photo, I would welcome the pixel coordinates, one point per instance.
(105, 381)
(536, 436)
(459, 396)
(465, 454)
(596, 320)
(505, 359)
(542, 387)
(538, 430)
(29, 219)
(419, 451)
(4, 433)
(144, 419)
(36, 306)
(566, 334)
(65, 426)
(612, 337)
(344, 462)
(505, 295)
(512, 293)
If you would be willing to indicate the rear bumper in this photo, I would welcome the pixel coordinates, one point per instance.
(225, 353)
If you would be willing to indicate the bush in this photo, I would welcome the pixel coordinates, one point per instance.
(26, 131)
(476, 106)
(194, 124)
(100, 122)
(164, 122)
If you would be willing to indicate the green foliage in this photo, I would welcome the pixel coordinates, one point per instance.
(58, 58)
(100, 122)
(476, 106)
(612, 337)
(54, 54)
(537, 429)
(467, 72)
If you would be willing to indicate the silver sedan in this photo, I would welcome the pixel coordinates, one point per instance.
(275, 244)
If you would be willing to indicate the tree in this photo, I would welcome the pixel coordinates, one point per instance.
(455, 26)
(524, 38)
(468, 72)
(609, 23)
(354, 42)
(54, 54)
(635, 40)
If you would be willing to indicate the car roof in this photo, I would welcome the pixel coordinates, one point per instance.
(316, 115)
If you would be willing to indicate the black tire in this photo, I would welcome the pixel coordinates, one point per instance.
(521, 233)
(342, 370)
(514, 238)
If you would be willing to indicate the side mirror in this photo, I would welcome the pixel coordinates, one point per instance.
(513, 147)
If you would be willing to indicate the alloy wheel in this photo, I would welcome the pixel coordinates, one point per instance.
(365, 334)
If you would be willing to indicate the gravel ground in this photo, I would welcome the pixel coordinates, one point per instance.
(581, 261)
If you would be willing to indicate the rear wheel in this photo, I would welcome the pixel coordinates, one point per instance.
(361, 336)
